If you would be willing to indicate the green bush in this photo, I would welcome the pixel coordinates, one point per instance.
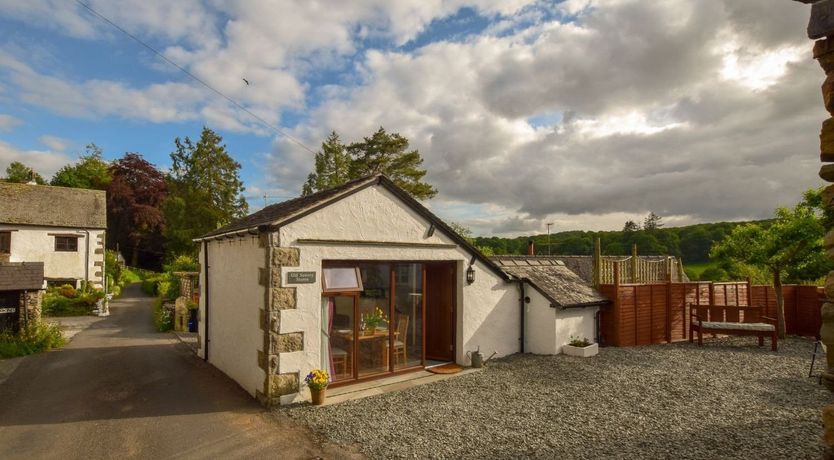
(163, 320)
(68, 291)
(714, 274)
(37, 336)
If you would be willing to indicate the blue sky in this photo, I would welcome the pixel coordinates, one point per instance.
(583, 113)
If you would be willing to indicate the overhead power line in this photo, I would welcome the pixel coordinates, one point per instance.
(194, 77)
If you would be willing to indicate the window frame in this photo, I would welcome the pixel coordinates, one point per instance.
(326, 290)
(68, 247)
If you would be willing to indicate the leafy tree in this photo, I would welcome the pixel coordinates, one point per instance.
(134, 206)
(791, 244)
(20, 173)
(90, 172)
(652, 222)
(388, 154)
(575, 246)
(332, 166)
(204, 191)
(695, 245)
(630, 227)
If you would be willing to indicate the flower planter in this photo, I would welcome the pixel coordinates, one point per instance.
(317, 396)
(582, 352)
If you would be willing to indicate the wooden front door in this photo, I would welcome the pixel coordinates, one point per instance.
(440, 311)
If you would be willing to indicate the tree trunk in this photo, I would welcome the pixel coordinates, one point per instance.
(134, 259)
(780, 303)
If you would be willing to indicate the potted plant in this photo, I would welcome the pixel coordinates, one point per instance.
(372, 320)
(581, 347)
(317, 380)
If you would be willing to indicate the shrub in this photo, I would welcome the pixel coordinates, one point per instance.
(35, 337)
(579, 342)
(714, 274)
(163, 319)
(68, 291)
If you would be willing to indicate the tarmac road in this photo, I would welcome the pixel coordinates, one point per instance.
(122, 390)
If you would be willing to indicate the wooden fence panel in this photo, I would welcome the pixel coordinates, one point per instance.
(642, 314)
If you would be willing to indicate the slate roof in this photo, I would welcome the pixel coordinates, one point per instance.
(49, 206)
(25, 276)
(551, 277)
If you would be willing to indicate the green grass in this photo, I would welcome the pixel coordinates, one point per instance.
(36, 337)
(693, 271)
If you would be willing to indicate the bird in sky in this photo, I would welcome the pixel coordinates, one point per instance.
(246, 81)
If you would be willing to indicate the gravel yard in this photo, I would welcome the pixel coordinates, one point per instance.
(729, 399)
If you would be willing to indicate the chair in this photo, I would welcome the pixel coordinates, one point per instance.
(342, 359)
(819, 350)
(400, 344)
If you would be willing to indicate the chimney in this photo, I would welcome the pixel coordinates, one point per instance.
(531, 248)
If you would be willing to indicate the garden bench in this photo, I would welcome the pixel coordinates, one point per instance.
(731, 320)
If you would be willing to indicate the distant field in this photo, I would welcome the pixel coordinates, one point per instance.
(693, 271)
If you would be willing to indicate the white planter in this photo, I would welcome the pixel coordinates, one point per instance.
(582, 352)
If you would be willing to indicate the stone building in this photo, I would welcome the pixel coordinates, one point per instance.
(21, 286)
(364, 281)
(61, 227)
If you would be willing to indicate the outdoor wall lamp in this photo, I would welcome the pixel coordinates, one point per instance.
(470, 275)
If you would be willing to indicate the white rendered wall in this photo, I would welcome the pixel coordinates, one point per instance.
(577, 322)
(540, 333)
(37, 244)
(488, 310)
(235, 300)
(548, 328)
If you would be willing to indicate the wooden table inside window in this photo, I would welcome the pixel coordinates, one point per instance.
(377, 335)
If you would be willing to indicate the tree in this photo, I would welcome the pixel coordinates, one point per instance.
(652, 222)
(204, 191)
(91, 171)
(20, 173)
(792, 243)
(630, 227)
(332, 166)
(388, 154)
(134, 206)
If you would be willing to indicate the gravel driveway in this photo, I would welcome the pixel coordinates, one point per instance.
(729, 399)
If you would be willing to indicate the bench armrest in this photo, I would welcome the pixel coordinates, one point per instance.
(768, 319)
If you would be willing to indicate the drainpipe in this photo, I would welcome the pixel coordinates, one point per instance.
(523, 307)
(86, 256)
(206, 300)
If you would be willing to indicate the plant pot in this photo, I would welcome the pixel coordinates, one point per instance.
(582, 352)
(317, 396)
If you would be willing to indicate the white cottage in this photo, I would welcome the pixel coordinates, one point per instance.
(364, 281)
(62, 227)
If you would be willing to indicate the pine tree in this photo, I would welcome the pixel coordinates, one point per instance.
(388, 154)
(332, 166)
(205, 191)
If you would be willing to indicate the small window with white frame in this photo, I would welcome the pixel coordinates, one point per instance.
(341, 279)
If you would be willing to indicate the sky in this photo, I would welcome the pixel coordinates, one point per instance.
(579, 113)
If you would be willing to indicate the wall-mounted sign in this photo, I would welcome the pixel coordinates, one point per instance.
(7, 310)
(301, 277)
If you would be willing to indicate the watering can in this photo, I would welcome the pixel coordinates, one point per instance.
(477, 358)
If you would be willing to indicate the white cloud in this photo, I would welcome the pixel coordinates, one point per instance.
(44, 162)
(8, 122)
(54, 143)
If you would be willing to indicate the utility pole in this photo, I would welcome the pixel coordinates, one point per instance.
(548, 237)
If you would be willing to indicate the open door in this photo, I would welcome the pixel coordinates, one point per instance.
(440, 311)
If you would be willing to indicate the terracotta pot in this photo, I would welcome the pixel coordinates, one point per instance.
(317, 396)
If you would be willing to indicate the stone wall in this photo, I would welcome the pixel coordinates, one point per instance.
(278, 299)
(31, 301)
(821, 29)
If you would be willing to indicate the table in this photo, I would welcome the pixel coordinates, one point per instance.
(379, 333)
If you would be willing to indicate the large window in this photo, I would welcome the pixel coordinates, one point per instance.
(372, 318)
(66, 243)
(5, 242)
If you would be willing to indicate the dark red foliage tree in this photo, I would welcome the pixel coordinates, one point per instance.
(134, 215)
